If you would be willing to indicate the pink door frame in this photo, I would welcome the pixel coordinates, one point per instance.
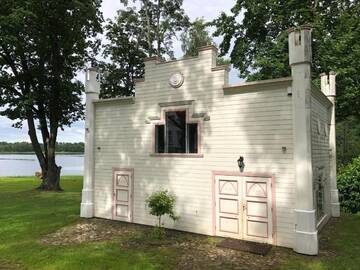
(249, 174)
(131, 200)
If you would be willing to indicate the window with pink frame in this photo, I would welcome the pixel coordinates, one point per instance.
(176, 135)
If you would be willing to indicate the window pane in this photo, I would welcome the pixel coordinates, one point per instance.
(193, 138)
(159, 139)
(176, 131)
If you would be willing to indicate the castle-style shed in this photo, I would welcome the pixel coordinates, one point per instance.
(185, 130)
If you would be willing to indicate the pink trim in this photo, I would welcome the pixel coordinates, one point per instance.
(185, 155)
(247, 207)
(247, 228)
(131, 200)
(253, 184)
(273, 208)
(235, 187)
(237, 231)
(253, 174)
(189, 120)
(237, 206)
(213, 203)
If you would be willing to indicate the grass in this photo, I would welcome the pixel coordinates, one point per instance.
(26, 215)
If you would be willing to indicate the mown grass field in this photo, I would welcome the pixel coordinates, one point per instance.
(26, 215)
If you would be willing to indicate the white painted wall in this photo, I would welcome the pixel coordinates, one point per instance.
(255, 123)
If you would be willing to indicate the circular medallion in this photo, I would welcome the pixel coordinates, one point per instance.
(176, 80)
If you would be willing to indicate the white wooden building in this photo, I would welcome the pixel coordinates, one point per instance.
(184, 131)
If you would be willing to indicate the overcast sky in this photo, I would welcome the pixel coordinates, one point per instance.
(208, 9)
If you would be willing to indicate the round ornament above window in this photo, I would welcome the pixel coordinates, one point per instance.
(176, 80)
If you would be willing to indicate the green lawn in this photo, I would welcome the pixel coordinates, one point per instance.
(26, 215)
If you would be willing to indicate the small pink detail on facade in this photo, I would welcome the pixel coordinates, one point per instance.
(233, 184)
(253, 185)
(264, 222)
(249, 215)
(226, 212)
(237, 225)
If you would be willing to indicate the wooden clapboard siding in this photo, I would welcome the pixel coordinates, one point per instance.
(255, 124)
(320, 117)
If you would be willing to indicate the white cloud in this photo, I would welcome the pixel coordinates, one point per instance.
(208, 9)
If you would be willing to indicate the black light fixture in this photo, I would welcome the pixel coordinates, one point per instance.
(241, 163)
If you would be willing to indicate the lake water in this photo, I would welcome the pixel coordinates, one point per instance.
(27, 165)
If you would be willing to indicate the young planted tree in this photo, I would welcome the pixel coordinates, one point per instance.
(42, 46)
(162, 203)
(125, 50)
(258, 32)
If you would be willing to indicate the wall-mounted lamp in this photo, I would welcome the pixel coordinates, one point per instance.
(241, 163)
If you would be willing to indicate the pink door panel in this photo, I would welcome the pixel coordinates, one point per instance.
(228, 206)
(122, 194)
(257, 210)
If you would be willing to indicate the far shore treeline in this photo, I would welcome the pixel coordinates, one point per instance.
(25, 147)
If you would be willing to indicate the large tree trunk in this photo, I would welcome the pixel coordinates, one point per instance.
(51, 178)
(50, 172)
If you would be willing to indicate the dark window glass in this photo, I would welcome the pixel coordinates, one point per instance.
(192, 138)
(176, 132)
(159, 139)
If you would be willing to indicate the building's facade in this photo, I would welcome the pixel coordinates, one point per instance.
(184, 132)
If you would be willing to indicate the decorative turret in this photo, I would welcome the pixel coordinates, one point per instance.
(328, 87)
(306, 240)
(92, 90)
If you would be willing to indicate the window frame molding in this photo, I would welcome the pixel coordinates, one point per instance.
(189, 120)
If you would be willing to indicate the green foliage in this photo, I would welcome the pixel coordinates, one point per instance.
(162, 203)
(43, 44)
(349, 186)
(28, 215)
(25, 147)
(194, 37)
(347, 140)
(258, 31)
(126, 50)
(160, 20)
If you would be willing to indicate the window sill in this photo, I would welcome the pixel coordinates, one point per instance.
(185, 155)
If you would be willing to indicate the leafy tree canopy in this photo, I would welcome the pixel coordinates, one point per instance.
(125, 50)
(258, 32)
(161, 19)
(194, 37)
(42, 45)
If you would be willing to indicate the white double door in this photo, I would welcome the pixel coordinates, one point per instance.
(243, 208)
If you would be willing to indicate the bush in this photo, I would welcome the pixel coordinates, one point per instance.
(162, 203)
(349, 186)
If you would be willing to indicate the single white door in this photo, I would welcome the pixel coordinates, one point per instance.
(228, 204)
(257, 209)
(122, 195)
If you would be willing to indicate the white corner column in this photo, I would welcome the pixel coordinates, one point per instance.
(306, 235)
(92, 90)
(328, 87)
